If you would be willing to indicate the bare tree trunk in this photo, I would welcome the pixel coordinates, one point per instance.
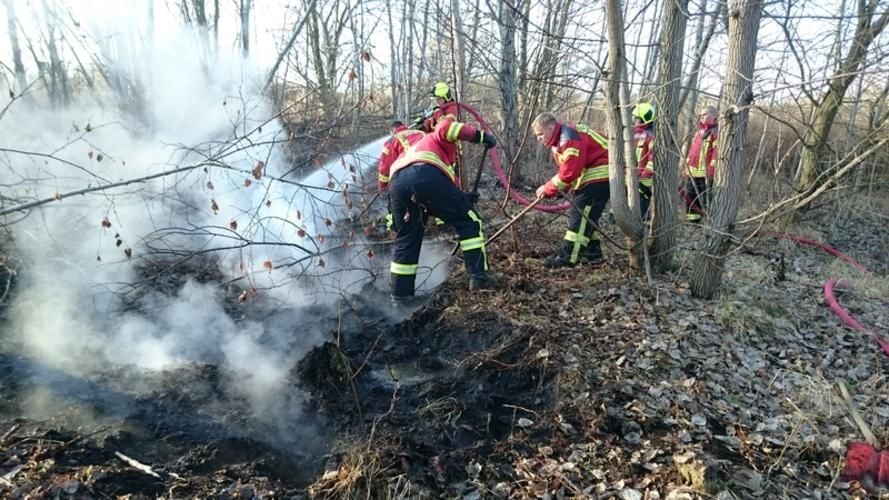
(244, 13)
(508, 81)
(816, 137)
(737, 95)
(523, 45)
(666, 145)
(17, 64)
(458, 60)
(621, 148)
(394, 63)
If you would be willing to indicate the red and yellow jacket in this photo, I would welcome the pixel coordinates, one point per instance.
(702, 153)
(581, 155)
(439, 147)
(402, 139)
(446, 110)
(644, 154)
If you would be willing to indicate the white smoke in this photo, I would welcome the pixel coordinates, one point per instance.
(80, 307)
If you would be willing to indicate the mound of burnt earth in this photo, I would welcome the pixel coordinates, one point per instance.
(443, 386)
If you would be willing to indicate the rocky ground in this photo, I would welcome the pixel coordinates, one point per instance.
(582, 383)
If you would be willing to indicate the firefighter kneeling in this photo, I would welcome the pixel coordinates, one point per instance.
(423, 184)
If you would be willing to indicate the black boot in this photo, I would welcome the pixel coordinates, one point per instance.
(593, 253)
(482, 281)
(557, 261)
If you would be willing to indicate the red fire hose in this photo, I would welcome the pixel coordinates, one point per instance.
(862, 459)
(501, 175)
(831, 283)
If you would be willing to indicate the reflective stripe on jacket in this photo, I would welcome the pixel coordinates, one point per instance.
(702, 153)
(402, 139)
(644, 154)
(581, 155)
(438, 148)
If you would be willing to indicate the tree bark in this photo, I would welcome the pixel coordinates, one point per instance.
(17, 64)
(508, 81)
(666, 147)
(244, 13)
(622, 174)
(743, 28)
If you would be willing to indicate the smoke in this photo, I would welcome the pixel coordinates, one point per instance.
(86, 306)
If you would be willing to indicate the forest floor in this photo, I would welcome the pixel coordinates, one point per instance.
(583, 383)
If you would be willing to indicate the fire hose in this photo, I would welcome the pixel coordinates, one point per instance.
(832, 283)
(501, 175)
(863, 460)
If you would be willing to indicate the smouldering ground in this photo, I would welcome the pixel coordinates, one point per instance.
(574, 383)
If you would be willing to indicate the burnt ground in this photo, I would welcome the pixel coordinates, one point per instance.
(589, 382)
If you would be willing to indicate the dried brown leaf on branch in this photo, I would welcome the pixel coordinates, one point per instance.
(267, 265)
(247, 182)
(233, 225)
(210, 185)
(301, 233)
(214, 206)
(57, 196)
(106, 223)
(128, 252)
(257, 170)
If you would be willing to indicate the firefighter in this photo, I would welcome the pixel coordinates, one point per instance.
(402, 139)
(701, 164)
(423, 182)
(644, 116)
(445, 106)
(581, 156)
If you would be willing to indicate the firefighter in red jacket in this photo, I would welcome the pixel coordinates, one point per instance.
(445, 107)
(701, 164)
(581, 155)
(402, 139)
(644, 116)
(422, 182)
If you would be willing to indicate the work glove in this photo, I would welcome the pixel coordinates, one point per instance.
(488, 140)
(389, 221)
(471, 197)
(547, 190)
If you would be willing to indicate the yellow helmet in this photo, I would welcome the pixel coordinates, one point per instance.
(441, 89)
(644, 111)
